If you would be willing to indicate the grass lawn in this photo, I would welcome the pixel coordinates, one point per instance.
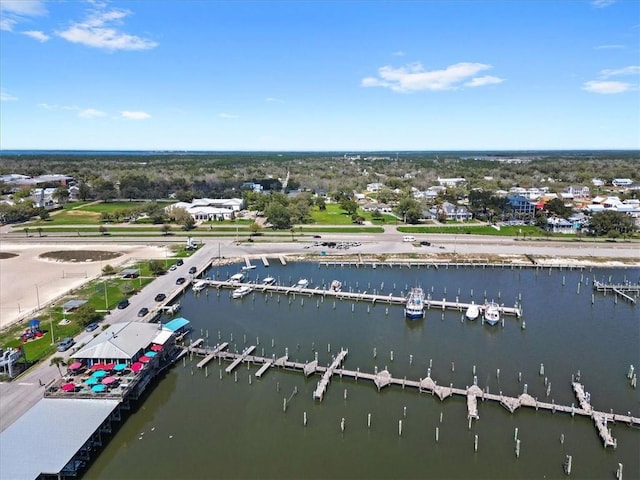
(505, 231)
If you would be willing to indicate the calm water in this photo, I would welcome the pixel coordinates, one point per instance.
(194, 426)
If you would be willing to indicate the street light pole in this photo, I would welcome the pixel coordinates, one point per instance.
(38, 296)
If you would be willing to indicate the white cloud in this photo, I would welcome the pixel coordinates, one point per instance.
(6, 96)
(273, 100)
(99, 30)
(40, 36)
(14, 11)
(609, 47)
(486, 80)
(602, 3)
(91, 113)
(413, 77)
(630, 70)
(227, 115)
(129, 115)
(606, 87)
(399, 53)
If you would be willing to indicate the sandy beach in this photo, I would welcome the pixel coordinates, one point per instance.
(28, 281)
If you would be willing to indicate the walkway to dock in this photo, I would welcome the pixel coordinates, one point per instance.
(621, 289)
(359, 297)
(384, 378)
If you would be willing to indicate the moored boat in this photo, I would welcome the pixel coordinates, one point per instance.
(236, 278)
(302, 283)
(268, 281)
(241, 291)
(414, 308)
(473, 311)
(336, 285)
(491, 313)
(199, 285)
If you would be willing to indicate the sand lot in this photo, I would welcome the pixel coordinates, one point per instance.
(27, 281)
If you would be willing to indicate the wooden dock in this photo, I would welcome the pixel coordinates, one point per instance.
(265, 262)
(426, 385)
(389, 299)
(621, 289)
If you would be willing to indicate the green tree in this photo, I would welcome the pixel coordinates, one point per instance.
(278, 216)
(165, 229)
(321, 203)
(182, 217)
(84, 191)
(57, 361)
(557, 207)
(61, 195)
(103, 230)
(254, 228)
(609, 223)
(86, 314)
(156, 267)
(105, 190)
(349, 205)
(108, 270)
(43, 213)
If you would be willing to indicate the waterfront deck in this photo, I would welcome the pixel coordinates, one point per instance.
(426, 385)
(372, 298)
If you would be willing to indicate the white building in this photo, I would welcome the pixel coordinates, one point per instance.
(208, 209)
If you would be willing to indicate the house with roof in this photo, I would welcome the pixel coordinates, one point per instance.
(622, 182)
(209, 209)
(559, 225)
(521, 205)
(451, 182)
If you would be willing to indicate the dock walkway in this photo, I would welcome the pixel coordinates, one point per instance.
(384, 378)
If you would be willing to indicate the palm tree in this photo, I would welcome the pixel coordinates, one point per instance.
(57, 361)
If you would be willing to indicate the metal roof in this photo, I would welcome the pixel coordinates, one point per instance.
(71, 304)
(121, 341)
(176, 324)
(48, 435)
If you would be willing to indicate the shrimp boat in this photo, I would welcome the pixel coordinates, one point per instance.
(414, 308)
(241, 291)
(268, 281)
(491, 313)
(473, 311)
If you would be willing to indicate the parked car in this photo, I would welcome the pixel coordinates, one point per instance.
(173, 267)
(180, 262)
(160, 297)
(143, 311)
(317, 236)
(122, 304)
(180, 280)
(193, 270)
(91, 327)
(65, 344)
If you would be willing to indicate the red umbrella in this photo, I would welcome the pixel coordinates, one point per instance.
(108, 380)
(75, 366)
(108, 366)
(156, 348)
(97, 366)
(144, 359)
(68, 387)
(136, 366)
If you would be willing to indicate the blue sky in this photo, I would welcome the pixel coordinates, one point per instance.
(320, 75)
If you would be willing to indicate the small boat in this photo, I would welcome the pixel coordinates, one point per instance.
(414, 308)
(199, 286)
(473, 311)
(491, 313)
(241, 291)
(336, 285)
(268, 281)
(248, 267)
(237, 278)
(302, 283)
(173, 309)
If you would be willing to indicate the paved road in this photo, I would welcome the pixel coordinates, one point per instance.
(18, 396)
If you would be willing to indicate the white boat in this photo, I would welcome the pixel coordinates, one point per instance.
(199, 285)
(241, 291)
(172, 309)
(248, 267)
(302, 283)
(336, 285)
(473, 311)
(414, 308)
(268, 281)
(491, 313)
(237, 278)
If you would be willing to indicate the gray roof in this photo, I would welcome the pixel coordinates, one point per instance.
(47, 437)
(119, 342)
(71, 304)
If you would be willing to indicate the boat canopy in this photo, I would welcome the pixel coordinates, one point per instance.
(176, 324)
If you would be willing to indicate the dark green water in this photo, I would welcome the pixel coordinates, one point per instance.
(194, 426)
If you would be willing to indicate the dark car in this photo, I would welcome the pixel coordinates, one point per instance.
(180, 280)
(122, 304)
(179, 262)
(143, 311)
(65, 344)
(317, 236)
(193, 270)
(160, 297)
(91, 327)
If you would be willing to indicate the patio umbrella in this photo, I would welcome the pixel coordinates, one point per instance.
(68, 387)
(109, 366)
(151, 354)
(119, 367)
(99, 374)
(91, 381)
(156, 348)
(97, 366)
(75, 366)
(98, 388)
(136, 367)
(144, 359)
(108, 380)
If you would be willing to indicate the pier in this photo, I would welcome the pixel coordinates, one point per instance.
(427, 385)
(621, 289)
(372, 298)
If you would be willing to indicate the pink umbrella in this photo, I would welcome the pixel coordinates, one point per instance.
(68, 387)
(156, 348)
(75, 366)
(144, 359)
(108, 380)
(136, 366)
